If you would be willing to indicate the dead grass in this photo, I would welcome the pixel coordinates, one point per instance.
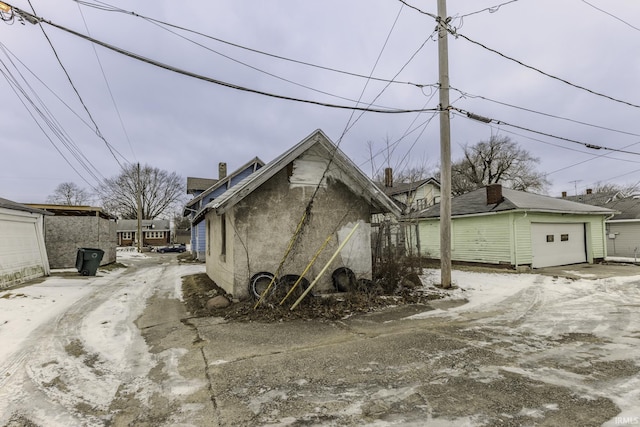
(197, 289)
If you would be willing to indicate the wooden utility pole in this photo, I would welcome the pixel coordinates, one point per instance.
(139, 201)
(445, 147)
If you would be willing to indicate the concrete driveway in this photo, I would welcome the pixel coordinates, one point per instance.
(551, 351)
(591, 271)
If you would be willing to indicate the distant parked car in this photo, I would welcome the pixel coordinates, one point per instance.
(172, 248)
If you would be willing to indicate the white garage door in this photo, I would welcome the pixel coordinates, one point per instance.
(557, 244)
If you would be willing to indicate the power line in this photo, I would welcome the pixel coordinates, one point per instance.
(492, 9)
(611, 15)
(97, 129)
(466, 94)
(454, 32)
(7, 51)
(17, 89)
(261, 70)
(104, 76)
(212, 80)
(483, 119)
(593, 92)
(110, 8)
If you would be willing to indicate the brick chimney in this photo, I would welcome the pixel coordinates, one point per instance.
(388, 177)
(589, 191)
(564, 194)
(222, 170)
(494, 194)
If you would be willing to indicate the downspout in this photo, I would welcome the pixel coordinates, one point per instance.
(604, 235)
(41, 245)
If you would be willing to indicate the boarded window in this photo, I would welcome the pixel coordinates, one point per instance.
(564, 237)
(549, 238)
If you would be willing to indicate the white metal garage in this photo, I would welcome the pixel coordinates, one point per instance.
(557, 244)
(22, 251)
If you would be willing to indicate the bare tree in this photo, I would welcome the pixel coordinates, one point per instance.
(498, 160)
(68, 193)
(622, 190)
(162, 192)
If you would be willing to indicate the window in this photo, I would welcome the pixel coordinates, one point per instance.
(126, 235)
(564, 237)
(223, 234)
(154, 234)
(549, 238)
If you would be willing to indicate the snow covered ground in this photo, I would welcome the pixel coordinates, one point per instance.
(70, 343)
(531, 310)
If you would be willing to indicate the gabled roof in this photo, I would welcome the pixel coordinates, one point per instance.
(406, 187)
(475, 203)
(199, 184)
(595, 199)
(367, 188)
(8, 204)
(627, 208)
(255, 162)
(147, 224)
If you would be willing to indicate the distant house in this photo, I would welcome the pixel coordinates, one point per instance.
(23, 255)
(392, 238)
(202, 197)
(623, 227)
(496, 225)
(412, 196)
(250, 226)
(73, 227)
(155, 232)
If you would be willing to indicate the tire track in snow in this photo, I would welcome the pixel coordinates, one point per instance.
(87, 380)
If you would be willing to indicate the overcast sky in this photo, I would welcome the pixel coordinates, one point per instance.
(181, 124)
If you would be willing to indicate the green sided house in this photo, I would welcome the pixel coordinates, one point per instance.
(495, 225)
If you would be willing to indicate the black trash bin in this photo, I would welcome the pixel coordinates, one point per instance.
(88, 261)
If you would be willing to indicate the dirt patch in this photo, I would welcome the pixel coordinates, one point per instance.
(197, 289)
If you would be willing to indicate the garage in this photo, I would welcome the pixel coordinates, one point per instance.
(558, 244)
(22, 251)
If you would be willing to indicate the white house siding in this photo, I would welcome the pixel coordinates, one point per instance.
(623, 238)
(22, 253)
(521, 239)
(505, 238)
(485, 239)
(594, 230)
(429, 238)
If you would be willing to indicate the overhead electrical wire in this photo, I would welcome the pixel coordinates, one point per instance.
(483, 119)
(212, 80)
(106, 81)
(53, 125)
(47, 116)
(455, 33)
(492, 9)
(87, 124)
(611, 15)
(110, 8)
(262, 71)
(97, 129)
(544, 73)
(469, 95)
